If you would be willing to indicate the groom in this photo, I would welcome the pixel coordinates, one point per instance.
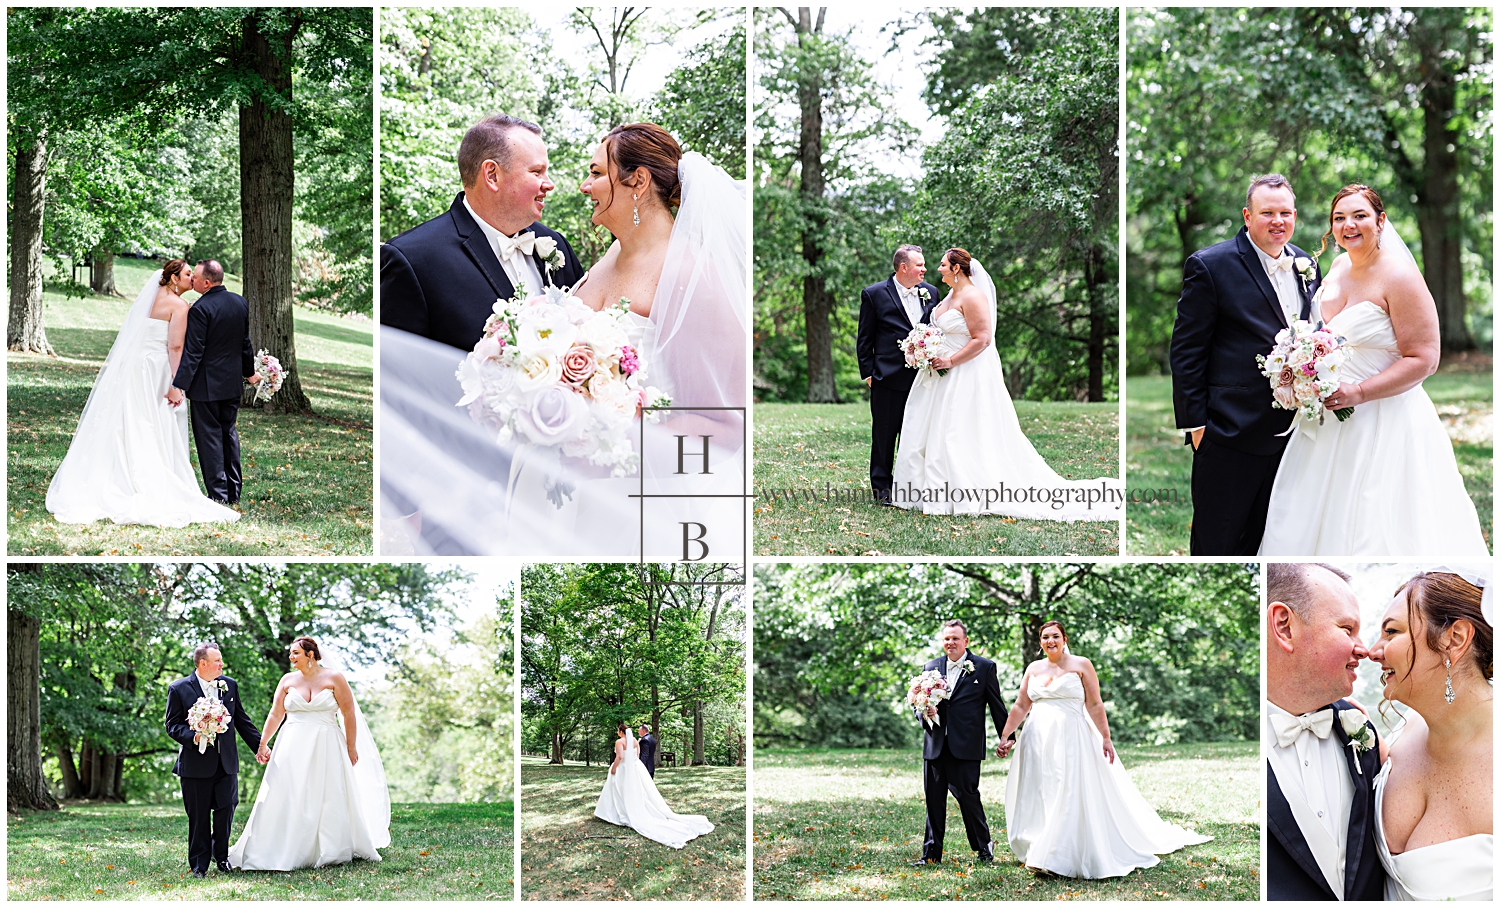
(954, 743)
(1236, 295)
(1320, 797)
(210, 780)
(648, 750)
(888, 311)
(216, 357)
(441, 278)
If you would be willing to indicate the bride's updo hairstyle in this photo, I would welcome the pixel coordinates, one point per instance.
(1057, 624)
(1370, 195)
(1443, 599)
(171, 269)
(310, 646)
(960, 259)
(646, 145)
(620, 729)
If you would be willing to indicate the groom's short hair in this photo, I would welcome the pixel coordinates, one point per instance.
(1290, 585)
(903, 255)
(954, 622)
(489, 140)
(1269, 181)
(200, 652)
(213, 272)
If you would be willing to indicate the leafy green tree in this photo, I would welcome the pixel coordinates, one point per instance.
(702, 103)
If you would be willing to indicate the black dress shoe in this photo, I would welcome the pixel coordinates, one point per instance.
(224, 867)
(200, 874)
(987, 856)
(926, 862)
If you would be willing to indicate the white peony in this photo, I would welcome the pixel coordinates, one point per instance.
(542, 369)
(545, 326)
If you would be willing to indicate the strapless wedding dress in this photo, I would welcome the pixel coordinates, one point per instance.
(312, 809)
(1458, 870)
(1383, 482)
(129, 463)
(630, 799)
(963, 452)
(1068, 809)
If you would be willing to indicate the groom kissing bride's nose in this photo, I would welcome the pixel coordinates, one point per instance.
(441, 278)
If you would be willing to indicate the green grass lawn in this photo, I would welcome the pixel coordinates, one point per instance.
(449, 852)
(815, 446)
(1157, 461)
(567, 854)
(308, 479)
(845, 825)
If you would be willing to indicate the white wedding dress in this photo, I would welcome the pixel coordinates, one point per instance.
(1383, 482)
(630, 799)
(314, 808)
(962, 450)
(447, 486)
(1068, 809)
(1461, 869)
(128, 460)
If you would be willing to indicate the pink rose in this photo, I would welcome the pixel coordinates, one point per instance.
(1287, 376)
(1285, 396)
(578, 364)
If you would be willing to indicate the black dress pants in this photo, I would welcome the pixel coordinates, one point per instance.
(1231, 495)
(887, 407)
(218, 443)
(210, 804)
(941, 777)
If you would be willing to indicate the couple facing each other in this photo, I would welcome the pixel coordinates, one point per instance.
(1385, 482)
(962, 449)
(678, 257)
(630, 798)
(1353, 816)
(1070, 808)
(323, 798)
(128, 460)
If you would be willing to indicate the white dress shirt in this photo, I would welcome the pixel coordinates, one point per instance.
(910, 302)
(1284, 282)
(955, 671)
(210, 689)
(521, 269)
(1314, 777)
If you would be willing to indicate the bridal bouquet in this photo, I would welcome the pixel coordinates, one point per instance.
(1303, 368)
(208, 718)
(927, 689)
(561, 375)
(922, 346)
(271, 375)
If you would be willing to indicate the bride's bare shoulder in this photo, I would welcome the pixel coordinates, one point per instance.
(1412, 741)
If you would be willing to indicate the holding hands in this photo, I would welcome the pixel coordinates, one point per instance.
(263, 755)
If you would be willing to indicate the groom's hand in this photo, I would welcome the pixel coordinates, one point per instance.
(263, 755)
(254, 379)
(870, 382)
(1198, 437)
(174, 396)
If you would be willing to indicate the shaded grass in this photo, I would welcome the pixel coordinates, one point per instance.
(568, 854)
(307, 479)
(845, 825)
(1156, 460)
(118, 852)
(825, 449)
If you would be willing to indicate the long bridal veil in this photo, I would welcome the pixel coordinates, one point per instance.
(369, 772)
(448, 486)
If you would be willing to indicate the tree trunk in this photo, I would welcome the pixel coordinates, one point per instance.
(102, 274)
(1095, 280)
(1031, 618)
(817, 302)
(557, 754)
(27, 786)
(698, 734)
(72, 784)
(266, 209)
(1438, 216)
(27, 334)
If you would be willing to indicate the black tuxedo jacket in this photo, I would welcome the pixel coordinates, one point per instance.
(190, 764)
(216, 352)
(1291, 871)
(648, 751)
(883, 325)
(441, 278)
(960, 728)
(1227, 313)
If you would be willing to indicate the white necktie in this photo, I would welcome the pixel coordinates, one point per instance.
(1282, 263)
(524, 243)
(1289, 728)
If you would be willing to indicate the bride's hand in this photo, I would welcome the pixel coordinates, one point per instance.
(611, 769)
(1109, 751)
(943, 362)
(353, 756)
(1346, 396)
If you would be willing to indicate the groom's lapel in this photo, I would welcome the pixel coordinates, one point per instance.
(1359, 809)
(890, 291)
(478, 248)
(1282, 823)
(1251, 260)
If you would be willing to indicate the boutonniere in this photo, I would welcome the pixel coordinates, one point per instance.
(968, 667)
(1361, 735)
(547, 251)
(924, 295)
(1305, 270)
(221, 686)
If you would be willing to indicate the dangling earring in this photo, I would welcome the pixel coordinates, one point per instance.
(1448, 682)
(635, 210)
(1378, 237)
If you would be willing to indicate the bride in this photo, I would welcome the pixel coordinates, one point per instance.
(1385, 482)
(679, 258)
(323, 799)
(1070, 808)
(960, 430)
(630, 799)
(128, 460)
(1434, 798)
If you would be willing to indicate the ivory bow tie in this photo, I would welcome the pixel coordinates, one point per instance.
(524, 243)
(1284, 263)
(1289, 728)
